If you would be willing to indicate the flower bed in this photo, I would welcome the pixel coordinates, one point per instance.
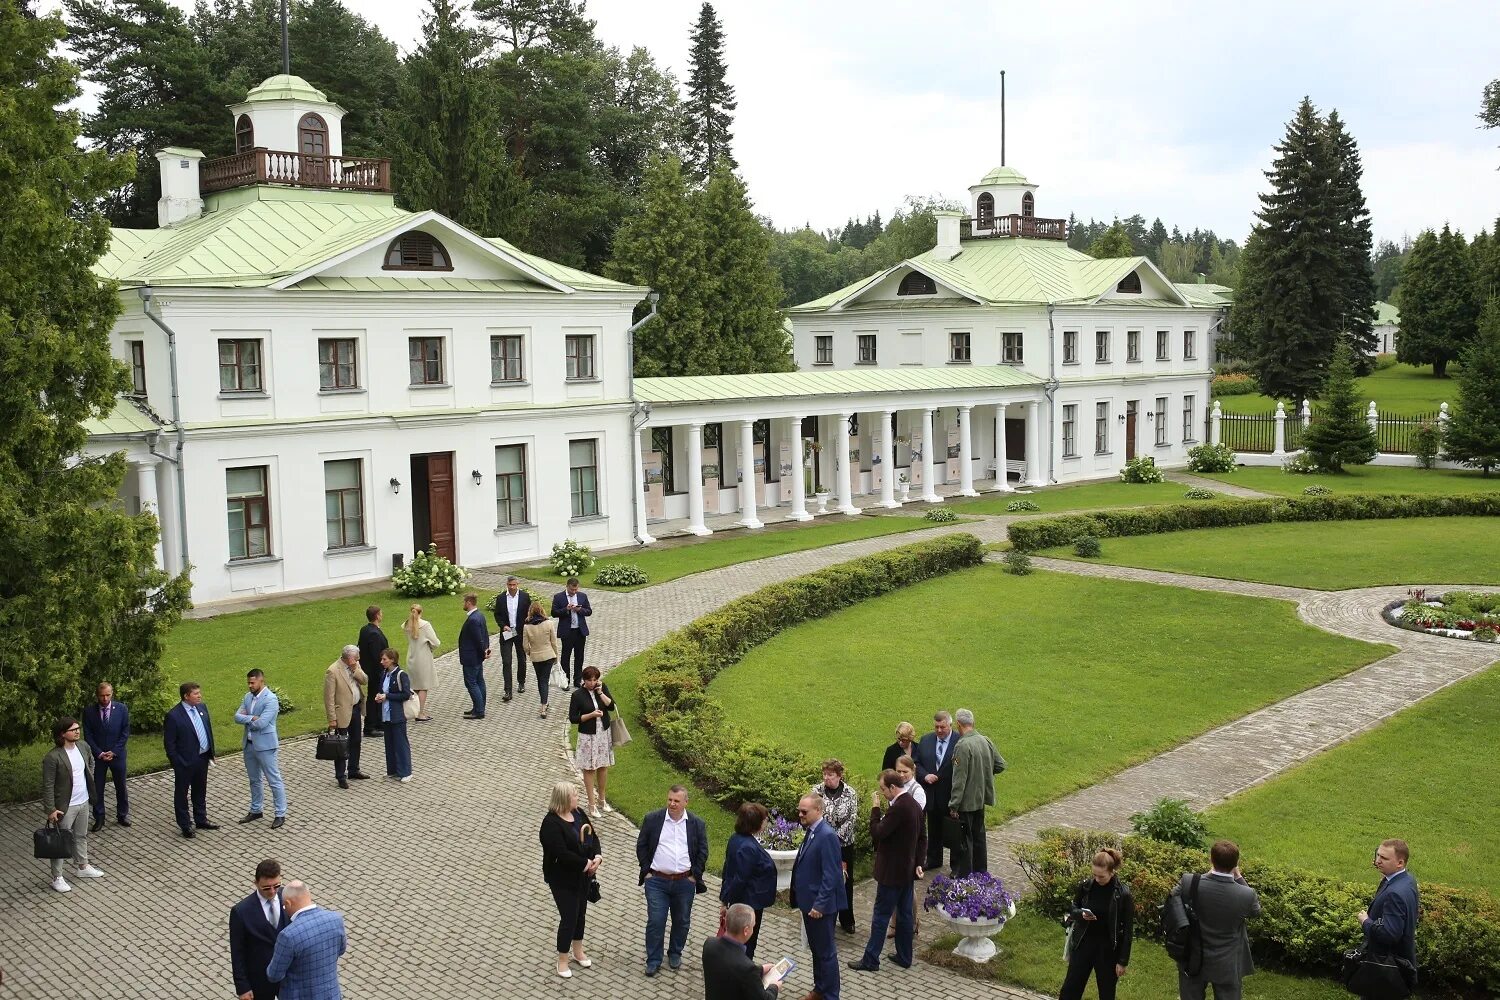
(1458, 614)
(781, 834)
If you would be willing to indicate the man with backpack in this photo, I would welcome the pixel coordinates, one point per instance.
(1218, 904)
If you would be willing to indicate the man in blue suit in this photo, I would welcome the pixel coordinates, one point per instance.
(934, 762)
(258, 715)
(1390, 924)
(306, 959)
(473, 650)
(106, 727)
(818, 887)
(254, 924)
(571, 609)
(188, 736)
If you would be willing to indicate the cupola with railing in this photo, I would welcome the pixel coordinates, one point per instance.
(1003, 204)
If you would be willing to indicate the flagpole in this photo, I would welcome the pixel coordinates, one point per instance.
(286, 48)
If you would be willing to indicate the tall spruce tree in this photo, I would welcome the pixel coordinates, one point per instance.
(68, 545)
(1439, 311)
(710, 100)
(1472, 437)
(1341, 435)
(746, 326)
(1354, 287)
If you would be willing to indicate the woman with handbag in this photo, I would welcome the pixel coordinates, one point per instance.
(570, 862)
(395, 694)
(589, 711)
(749, 875)
(421, 641)
(1100, 923)
(539, 640)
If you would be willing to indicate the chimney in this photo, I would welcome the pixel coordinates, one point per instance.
(1201, 277)
(947, 235)
(181, 200)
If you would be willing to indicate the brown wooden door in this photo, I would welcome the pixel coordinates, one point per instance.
(1130, 430)
(440, 503)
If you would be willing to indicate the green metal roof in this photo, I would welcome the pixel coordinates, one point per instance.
(1004, 175)
(126, 420)
(1385, 313)
(1205, 294)
(772, 385)
(285, 87)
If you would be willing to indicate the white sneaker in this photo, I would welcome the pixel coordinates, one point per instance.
(88, 871)
(60, 884)
(608, 808)
(595, 813)
(405, 779)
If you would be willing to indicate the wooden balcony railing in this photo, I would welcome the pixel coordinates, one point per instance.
(1015, 225)
(274, 166)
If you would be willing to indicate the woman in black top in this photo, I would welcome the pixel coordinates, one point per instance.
(570, 860)
(1100, 922)
(591, 710)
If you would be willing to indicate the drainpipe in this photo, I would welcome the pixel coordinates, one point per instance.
(182, 533)
(1049, 391)
(637, 410)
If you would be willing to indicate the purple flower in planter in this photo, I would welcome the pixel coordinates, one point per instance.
(781, 834)
(980, 896)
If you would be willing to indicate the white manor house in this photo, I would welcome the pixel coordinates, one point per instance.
(325, 384)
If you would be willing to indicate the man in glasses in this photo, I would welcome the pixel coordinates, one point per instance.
(67, 780)
(254, 923)
(818, 888)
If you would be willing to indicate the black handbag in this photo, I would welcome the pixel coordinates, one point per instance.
(333, 746)
(593, 891)
(52, 843)
(1377, 977)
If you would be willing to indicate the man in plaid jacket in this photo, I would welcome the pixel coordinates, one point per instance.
(306, 960)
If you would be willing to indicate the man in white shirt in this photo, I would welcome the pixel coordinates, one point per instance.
(254, 924)
(672, 850)
(67, 781)
(510, 610)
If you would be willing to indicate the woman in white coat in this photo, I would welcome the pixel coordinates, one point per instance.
(421, 640)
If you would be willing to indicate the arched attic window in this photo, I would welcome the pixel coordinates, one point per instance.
(1028, 206)
(916, 283)
(986, 211)
(1130, 283)
(312, 135)
(244, 135)
(417, 252)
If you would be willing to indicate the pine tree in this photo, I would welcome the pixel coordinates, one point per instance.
(746, 325)
(1115, 242)
(1472, 436)
(710, 98)
(68, 545)
(1341, 435)
(1354, 287)
(1439, 312)
(1155, 240)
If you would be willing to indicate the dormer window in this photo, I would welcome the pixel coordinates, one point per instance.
(916, 283)
(244, 135)
(1028, 206)
(417, 252)
(1130, 284)
(986, 211)
(312, 135)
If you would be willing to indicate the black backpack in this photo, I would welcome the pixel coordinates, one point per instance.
(1180, 930)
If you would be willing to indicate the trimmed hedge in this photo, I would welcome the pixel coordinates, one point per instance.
(1049, 532)
(689, 727)
(1306, 920)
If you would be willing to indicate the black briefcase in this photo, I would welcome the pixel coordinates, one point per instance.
(52, 843)
(1378, 977)
(333, 746)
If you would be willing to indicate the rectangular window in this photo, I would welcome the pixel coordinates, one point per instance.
(711, 435)
(1163, 347)
(137, 366)
(1070, 347)
(426, 357)
(249, 512)
(505, 359)
(866, 343)
(1187, 419)
(1011, 348)
(661, 443)
(337, 364)
(1160, 418)
(1101, 428)
(239, 366)
(823, 349)
(583, 476)
(1070, 431)
(510, 485)
(1101, 347)
(580, 348)
(343, 503)
(958, 347)
(1189, 345)
(1132, 345)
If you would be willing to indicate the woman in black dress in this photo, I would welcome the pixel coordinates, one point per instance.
(570, 860)
(1101, 923)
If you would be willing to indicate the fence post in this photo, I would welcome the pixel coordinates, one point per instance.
(1306, 414)
(1374, 418)
(1442, 420)
(1216, 424)
(1280, 448)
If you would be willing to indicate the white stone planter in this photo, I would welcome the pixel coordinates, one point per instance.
(784, 861)
(822, 499)
(905, 490)
(976, 944)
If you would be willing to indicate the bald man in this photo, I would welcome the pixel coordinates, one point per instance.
(306, 960)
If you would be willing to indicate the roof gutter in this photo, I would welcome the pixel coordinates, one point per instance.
(182, 533)
(639, 414)
(1049, 391)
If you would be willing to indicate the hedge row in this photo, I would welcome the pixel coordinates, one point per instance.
(1045, 533)
(1306, 920)
(690, 728)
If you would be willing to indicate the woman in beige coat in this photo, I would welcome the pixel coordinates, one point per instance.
(421, 640)
(539, 638)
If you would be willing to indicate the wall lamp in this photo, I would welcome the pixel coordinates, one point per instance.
(395, 485)
(478, 477)
(1122, 418)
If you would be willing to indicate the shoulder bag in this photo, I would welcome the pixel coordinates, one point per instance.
(412, 705)
(1378, 977)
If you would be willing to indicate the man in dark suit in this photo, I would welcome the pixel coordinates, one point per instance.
(188, 736)
(473, 650)
(510, 610)
(728, 973)
(900, 839)
(818, 887)
(372, 643)
(254, 923)
(1225, 903)
(1390, 924)
(106, 727)
(934, 760)
(672, 850)
(571, 609)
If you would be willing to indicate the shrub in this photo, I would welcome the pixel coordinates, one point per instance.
(1384, 361)
(1300, 464)
(1235, 384)
(620, 575)
(284, 700)
(569, 558)
(1016, 562)
(1317, 490)
(148, 706)
(1211, 458)
(1141, 469)
(1200, 494)
(1485, 633)
(1426, 442)
(1018, 506)
(428, 574)
(940, 515)
(1172, 821)
(1087, 547)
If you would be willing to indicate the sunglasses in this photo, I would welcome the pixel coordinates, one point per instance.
(803, 812)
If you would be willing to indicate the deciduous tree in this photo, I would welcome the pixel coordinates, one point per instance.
(1114, 242)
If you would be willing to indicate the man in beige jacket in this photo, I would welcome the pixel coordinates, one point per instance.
(67, 786)
(342, 699)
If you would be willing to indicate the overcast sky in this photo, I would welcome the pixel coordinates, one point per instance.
(1164, 108)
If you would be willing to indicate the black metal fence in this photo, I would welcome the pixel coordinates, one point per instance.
(1256, 432)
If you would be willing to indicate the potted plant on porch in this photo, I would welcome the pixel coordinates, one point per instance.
(976, 906)
(905, 480)
(781, 838)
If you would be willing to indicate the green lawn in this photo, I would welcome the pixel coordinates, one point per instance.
(1427, 775)
(1402, 389)
(1323, 555)
(1073, 678)
(1089, 496)
(670, 559)
(1361, 479)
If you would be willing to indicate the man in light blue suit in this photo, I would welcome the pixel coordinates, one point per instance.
(818, 888)
(306, 959)
(258, 715)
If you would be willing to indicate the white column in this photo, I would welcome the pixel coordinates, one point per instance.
(695, 480)
(747, 475)
(167, 514)
(640, 487)
(145, 488)
(1034, 466)
(887, 461)
(1216, 425)
(1002, 475)
(1280, 445)
(1306, 413)
(841, 473)
(929, 444)
(799, 481)
(965, 455)
(1374, 418)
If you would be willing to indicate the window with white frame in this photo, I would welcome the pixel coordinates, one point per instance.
(580, 356)
(425, 358)
(510, 485)
(583, 477)
(137, 366)
(1189, 345)
(239, 366)
(958, 347)
(865, 342)
(1189, 430)
(505, 358)
(1163, 345)
(338, 364)
(1012, 346)
(1101, 428)
(1160, 419)
(1101, 347)
(1070, 431)
(343, 503)
(249, 512)
(823, 349)
(1132, 345)
(1070, 347)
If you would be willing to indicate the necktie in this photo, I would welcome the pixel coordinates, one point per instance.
(941, 747)
(271, 912)
(106, 711)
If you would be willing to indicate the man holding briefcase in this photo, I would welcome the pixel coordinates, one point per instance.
(342, 700)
